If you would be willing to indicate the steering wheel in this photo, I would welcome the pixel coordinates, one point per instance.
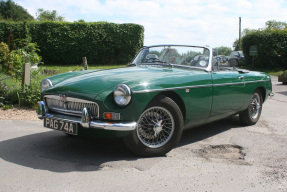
(201, 62)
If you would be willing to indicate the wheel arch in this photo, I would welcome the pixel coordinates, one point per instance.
(175, 97)
(262, 91)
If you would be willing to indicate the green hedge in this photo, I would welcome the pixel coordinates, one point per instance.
(67, 43)
(271, 48)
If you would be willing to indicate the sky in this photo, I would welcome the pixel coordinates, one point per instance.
(211, 23)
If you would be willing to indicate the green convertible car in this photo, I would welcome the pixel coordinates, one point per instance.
(165, 89)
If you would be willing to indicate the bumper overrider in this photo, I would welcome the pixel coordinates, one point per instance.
(85, 120)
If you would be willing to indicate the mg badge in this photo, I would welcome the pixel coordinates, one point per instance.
(63, 101)
(63, 98)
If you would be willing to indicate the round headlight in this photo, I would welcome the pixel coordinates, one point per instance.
(122, 95)
(46, 83)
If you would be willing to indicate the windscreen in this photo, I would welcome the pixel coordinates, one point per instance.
(177, 55)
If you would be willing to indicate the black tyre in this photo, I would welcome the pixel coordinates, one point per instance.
(252, 114)
(159, 129)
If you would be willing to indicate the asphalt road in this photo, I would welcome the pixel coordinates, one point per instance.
(223, 156)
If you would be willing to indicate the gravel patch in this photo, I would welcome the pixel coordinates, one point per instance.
(18, 114)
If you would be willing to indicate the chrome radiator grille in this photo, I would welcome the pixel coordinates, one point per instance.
(70, 106)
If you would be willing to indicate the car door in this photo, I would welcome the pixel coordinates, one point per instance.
(228, 95)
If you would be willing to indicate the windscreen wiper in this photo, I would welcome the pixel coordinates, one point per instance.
(131, 64)
(160, 61)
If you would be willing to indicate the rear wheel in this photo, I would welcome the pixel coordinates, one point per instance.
(159, 129)
(252, 114)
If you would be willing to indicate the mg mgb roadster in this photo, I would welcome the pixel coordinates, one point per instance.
(164, 90)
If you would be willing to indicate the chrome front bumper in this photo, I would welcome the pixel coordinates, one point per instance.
(84, 121)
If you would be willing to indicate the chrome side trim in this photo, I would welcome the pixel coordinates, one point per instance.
(171, 89)
(197, 86)
(228, 84)
(258, 81)
(238, 83)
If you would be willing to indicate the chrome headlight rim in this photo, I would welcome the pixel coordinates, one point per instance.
(122, 95)
(46, 83)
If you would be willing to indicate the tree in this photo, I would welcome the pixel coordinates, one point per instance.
(272, 24)
(13, 12)
(223, 50)
(46, 15)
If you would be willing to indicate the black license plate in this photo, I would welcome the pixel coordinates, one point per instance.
(65, 126)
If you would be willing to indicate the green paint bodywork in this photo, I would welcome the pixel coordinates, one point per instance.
(202, 96)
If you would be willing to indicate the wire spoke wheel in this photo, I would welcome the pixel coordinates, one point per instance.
(254, 106)
(155, 127)
(251, 115)
(159, 128)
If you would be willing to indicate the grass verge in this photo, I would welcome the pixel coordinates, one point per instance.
(274, 72)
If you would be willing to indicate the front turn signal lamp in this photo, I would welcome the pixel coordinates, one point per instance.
(112, 116)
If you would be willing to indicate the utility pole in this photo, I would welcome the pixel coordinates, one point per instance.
(239, 41)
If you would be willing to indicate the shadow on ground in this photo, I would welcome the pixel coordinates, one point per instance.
(282, 93)
(209, 130)
(57, 152)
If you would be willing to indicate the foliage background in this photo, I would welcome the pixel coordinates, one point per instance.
(271, 48)
(67, 43)
(11, 11)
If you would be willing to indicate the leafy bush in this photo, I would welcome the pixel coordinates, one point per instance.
(67, 43)
(31, 95)
(12, 95)
(3, 94)
(12, 62)
(271, 48)
(28, 51)
(283, 77)
(4, 52)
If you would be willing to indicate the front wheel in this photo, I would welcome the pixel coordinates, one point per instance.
(252, 114)
(159, 129)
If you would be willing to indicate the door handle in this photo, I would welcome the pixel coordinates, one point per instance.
(241, 77)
